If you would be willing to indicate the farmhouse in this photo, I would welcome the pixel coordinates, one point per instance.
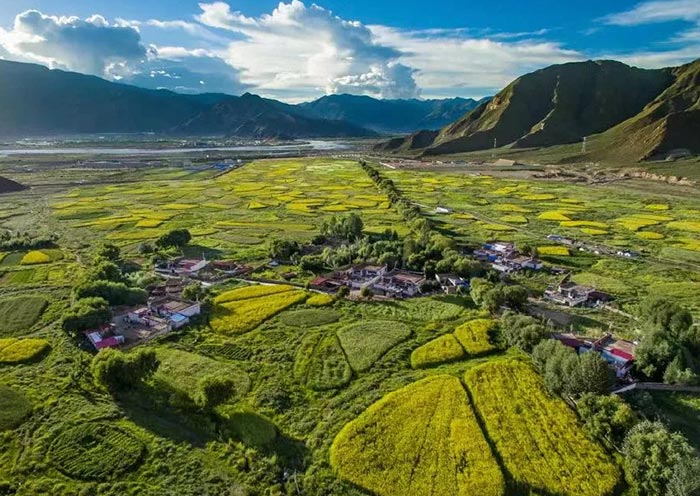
(619, 353)
(105, 337)
(231, 268)
(365, 275)
(399, 283)
(574, 295)
(183, 267)
(504, 257)
(451, 283)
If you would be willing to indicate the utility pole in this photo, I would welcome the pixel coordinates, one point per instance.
(585, 141)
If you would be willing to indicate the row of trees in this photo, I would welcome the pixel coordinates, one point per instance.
(21, 241)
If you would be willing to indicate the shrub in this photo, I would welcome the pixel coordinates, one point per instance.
(536, 435)
(13, 351)
(95, 451)
(116, 293)
(14, 408)
(421, 440)
(86, 314)
(367, 342)
(118, 371)
(441, 350)
(475, 337)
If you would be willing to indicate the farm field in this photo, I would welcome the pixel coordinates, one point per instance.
(659, 221)
(353, 397)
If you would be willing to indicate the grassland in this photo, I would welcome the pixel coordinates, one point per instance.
(536, 435)
(14, 407)
(367, 342)
(19, 314)
(446, 453)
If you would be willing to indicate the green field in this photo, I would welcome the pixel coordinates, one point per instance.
(331, 396)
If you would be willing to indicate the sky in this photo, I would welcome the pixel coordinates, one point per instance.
(298, 51)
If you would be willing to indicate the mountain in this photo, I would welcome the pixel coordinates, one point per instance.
(256, 117)
(36, 101)
(637, 113)
(389, 116)
(10, 186)
(670, 122)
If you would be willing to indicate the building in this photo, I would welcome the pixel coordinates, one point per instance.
(451, 283)
(183, 267)
(574, 295)
(618, 353)
(105, 337)
(399, 283)
(504, 257)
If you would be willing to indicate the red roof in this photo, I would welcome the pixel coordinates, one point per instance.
(319, 281)
(622, 354)
(112, 342)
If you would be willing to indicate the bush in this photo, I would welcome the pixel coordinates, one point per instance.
(177, 238)
(119, 372)
(86, 314)
(116, 293)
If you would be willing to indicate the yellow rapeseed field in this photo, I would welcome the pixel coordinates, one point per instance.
(251, 292)
(441, 350)
(422, 440)
(554, 251)
(474, 336)
(320, 300)
(538, 437)
(21, 350)
(239, 316)
(35, 258)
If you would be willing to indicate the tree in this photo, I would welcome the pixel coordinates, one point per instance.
(589, 373)
(606, 418)
(343, 292)
(522, 331)
(116, 293)
(557, 369)
(652, 454)
(177, 238)
(282, 249)
(109, 252)
(194, 292)
(106, 271)
(544, 351)
(479, 288)
(214, 391)
(120, 372)
(86, 314)
(366, 293)
(146, 248)
(686, 479)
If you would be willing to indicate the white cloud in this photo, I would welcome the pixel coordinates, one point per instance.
(469, 65)
(310, 50)
(91, 46)
(656, 11)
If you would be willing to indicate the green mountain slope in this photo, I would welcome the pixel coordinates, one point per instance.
(556, 105)
(670, 122)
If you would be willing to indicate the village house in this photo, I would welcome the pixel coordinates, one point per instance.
(231, 268)
(574, 295)
(504, 257)
(364, 275)
(451, 283)
(399, 284)
(182, 267)
(104, 337)
(618, 353)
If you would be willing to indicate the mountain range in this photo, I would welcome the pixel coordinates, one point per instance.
(628, 112)
(36, 101)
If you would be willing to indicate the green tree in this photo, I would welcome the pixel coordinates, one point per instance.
(366, 293)
(177, 238)
(214, 391)
(589, 373)
(116, 293)
(283, 249)
(686, 479)
(120, 372)
(106, 271)
(109, 251)
(194, 292)
(652, 454)
(86, 314)
(606, 418)
(522, 331)
(479, 288)
(343, 292)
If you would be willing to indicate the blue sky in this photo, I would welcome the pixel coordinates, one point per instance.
(298, 51)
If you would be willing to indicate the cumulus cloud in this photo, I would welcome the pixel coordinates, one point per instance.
(92, 45)
(311, 50)
(469, 65)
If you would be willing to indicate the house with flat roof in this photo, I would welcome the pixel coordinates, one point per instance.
(571, 294)
(105, 337)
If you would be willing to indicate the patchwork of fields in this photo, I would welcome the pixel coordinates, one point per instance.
(386, 397)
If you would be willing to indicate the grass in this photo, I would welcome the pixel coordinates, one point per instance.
(14, 351)
(14, 408)
(444, 349)
(20, 313)
(182, 371)
(321, 364)
(538, 437)
(95, 451)
(445, 452)
(367, 342)
(309, 318)
(474, 336)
